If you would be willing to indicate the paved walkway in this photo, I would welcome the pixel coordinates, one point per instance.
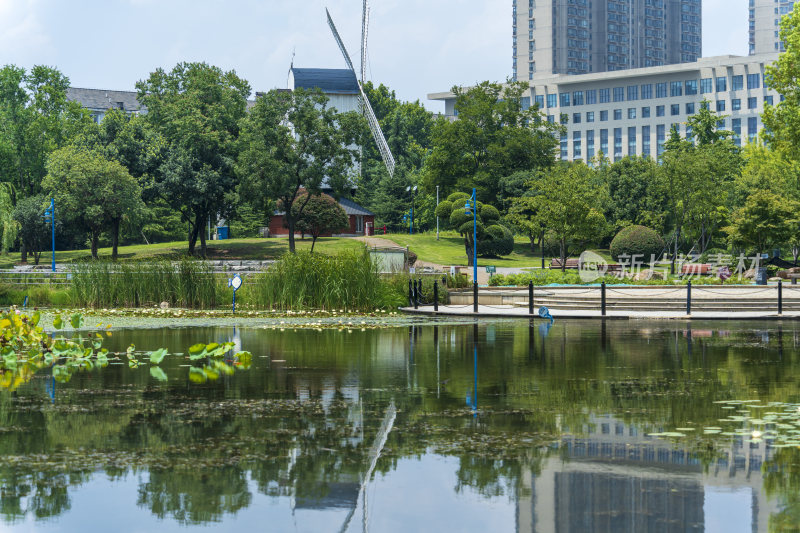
(517, 312)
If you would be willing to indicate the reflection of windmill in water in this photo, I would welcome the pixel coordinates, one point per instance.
(366, 108)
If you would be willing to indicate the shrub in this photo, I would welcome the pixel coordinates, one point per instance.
(497, 241)
(637, 240)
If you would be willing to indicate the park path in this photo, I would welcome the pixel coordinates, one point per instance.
(483, 276)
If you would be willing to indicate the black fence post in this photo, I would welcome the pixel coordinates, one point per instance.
(689, 298)
(780, 297)
(410, 292)
(530, 297)
(416, 295)
(435, 295)
(475, 296)
(603, 299)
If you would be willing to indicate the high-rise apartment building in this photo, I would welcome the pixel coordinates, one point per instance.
(765, 20)
(585, 36)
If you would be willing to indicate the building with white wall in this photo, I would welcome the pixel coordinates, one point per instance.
(765, 25)
(631, 112)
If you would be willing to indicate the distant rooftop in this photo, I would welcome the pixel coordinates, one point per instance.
(103, 100)
(328, 80)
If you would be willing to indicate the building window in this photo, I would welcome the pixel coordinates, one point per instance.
(631, 113)
(589, 144)
(617, 144)
(752, 128)
(661, 138)
(752, 102)
(576, 144)
(690, 108)
(576, 118)
(647, 91)
(564, 99)
(722, 84)
(551, 119)
(577, 98)
(737, 83)
(604, 142)
(590, 116)
(706, 85)
(645, 140)
(675, 109)
(539, 101)
(721, 124)
(619, 94)
(603, 116)
(631, 141)
(660, 111)
(736, 126)
(605, 96)
(564, 119)
(591, 97)
(633, 93)
(736, 104)
(645, 112)
(768, 100)
(720, 106)
(359, 224)
(661, 90)
(754, 81)
(676, 88)
(691, 87)
(618, 114)
(552, 100)
(564, 147)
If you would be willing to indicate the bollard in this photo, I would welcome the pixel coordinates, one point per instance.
(530, 298)
(603, 299)
(780, 297)
(475, 296)
(420, 299)
(416, 296)
(435, 295)
(689, 298)
(794, 280)
(410, 293)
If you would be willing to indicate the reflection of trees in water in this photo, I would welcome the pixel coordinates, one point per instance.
(782, 479)
(195, 496)
(202, 445)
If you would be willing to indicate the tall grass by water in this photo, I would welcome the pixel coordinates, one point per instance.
(306, 281)
(187, 283)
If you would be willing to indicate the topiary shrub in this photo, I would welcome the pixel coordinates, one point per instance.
(637, 240)
(496, 242)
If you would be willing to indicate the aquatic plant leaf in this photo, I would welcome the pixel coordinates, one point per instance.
(76, 321)
(244, 359)
(157, 373)
(157, 356)
(58, 322)
(198, 351)
(196, 375)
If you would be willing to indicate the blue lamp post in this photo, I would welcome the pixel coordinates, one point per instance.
(471, 206)
(413, 191)
(50, 214)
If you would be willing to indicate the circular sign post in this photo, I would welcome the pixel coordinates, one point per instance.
(236, 283)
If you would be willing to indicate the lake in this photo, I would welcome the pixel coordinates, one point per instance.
(450, 426)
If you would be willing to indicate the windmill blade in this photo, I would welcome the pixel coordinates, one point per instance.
(364, 35)
(377, 134)
(339, 41)
(372, 120)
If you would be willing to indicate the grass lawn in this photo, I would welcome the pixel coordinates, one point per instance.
(230, 249)
(449, 250)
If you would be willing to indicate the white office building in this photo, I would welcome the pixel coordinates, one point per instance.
(765, 25)
(631, 112)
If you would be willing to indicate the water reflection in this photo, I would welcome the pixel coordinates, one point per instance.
(338, 431)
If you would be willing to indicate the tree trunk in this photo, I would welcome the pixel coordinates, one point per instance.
(114, 239)
(470, 254)
(23, 250)
(313, 242)
(533, 242)
(203, 245)
(290, 224)
(95, 238)
(563, 255)
(675, 252)
(541, 248)
(36, 257)
(193, 230)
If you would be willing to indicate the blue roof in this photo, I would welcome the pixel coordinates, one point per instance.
(328, 80)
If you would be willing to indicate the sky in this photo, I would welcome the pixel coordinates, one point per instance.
(416, 47)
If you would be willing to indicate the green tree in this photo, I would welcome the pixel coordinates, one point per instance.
(494, 239)
(566, 202)
(635, 197)
(34, 230)
(782, 121)
(292, 141)
(8, 226)
(322, 214)
(493, 137)
(91, 192)
(196, 108)
(766, 220)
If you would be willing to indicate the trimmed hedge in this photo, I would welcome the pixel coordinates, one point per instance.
(637, 240)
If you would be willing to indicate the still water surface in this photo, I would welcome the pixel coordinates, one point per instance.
(630, 426)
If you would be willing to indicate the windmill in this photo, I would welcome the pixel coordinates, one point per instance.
(372, 120)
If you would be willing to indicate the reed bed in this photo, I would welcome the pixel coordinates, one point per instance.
(187, 283)
(348, 281)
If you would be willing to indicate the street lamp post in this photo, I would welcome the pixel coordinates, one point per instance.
(437, 216)
(471, 205)
(413, 191)
(50, 214)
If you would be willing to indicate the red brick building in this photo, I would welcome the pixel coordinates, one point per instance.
(362, 222)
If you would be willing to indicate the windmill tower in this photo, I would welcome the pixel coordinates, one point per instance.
(369, 114)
